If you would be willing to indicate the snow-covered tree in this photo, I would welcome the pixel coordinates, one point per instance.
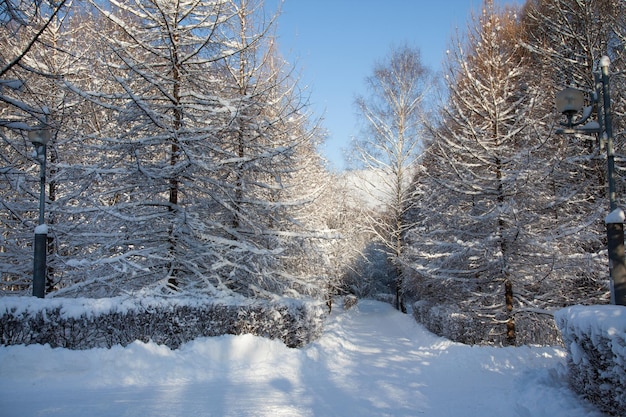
(24, 21)
(392, 112)
(479, 230)
(120, 200)
(184, 158)
(271, 171)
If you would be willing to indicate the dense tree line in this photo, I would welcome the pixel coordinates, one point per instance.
(504, 219)
(510, 216)
(183, 158)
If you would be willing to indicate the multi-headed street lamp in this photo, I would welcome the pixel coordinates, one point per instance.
(40, 136)
(570, 102)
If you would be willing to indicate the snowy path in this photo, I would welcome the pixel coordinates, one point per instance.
(371, 361)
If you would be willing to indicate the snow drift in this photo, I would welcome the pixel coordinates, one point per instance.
(370, 361)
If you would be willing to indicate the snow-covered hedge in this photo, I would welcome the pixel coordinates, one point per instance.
(449, 321)
(88, 323)
(596, 340)
(442, 321)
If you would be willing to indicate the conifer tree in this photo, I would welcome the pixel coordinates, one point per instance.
(476, 197)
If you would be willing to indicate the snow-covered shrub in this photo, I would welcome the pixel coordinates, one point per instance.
(472, 328)
(596, 340)
(451, 323)
(88, 323)
(536, 328)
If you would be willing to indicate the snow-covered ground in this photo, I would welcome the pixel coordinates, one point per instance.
(371, 361)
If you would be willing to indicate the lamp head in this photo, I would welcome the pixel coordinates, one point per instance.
(569, 102)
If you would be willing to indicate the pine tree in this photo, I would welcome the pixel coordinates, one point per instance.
(267, 150)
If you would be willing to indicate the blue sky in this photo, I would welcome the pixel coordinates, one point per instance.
(335, 43)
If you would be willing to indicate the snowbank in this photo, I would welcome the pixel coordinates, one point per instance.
(84, 323)
(371, 361)
(596, 339)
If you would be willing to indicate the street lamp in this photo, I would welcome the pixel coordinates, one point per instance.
(570, 102)
(40, 136)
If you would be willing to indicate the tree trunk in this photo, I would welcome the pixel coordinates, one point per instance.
(510, 324)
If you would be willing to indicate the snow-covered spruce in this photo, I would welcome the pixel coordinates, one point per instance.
(596, 339)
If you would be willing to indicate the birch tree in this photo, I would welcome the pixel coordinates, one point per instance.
(391, 146)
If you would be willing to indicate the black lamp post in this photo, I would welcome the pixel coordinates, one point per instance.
(570, 102)
(39, 137)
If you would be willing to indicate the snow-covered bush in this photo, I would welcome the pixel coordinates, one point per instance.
(453, 324)
(88, 323)
(596, 340)
(472, 328)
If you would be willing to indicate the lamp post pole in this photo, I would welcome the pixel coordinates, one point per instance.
(39, 137)
(615, 220)
(569, 102)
